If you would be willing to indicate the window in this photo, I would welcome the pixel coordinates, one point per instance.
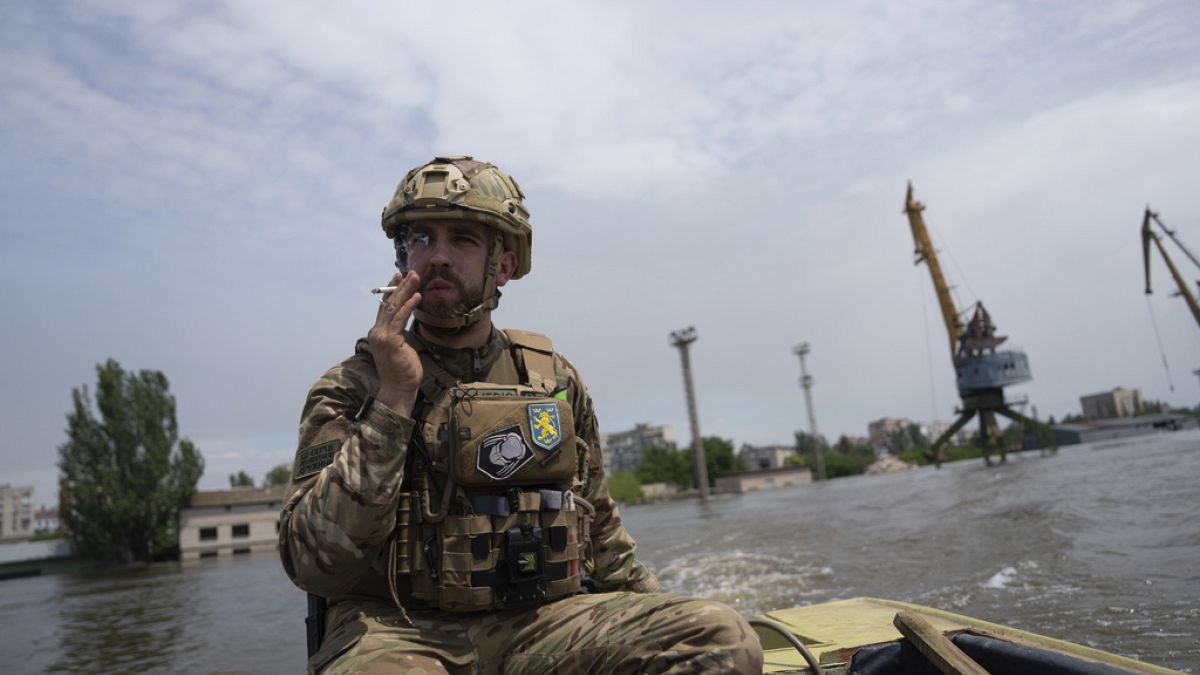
(240, 551)
(208, 533)
(208, 554)
(242, 530)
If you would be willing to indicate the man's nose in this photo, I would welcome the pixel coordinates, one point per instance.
(439, 252)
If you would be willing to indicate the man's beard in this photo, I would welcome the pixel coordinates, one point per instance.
(449, 309)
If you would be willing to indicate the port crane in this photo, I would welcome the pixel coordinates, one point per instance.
(982, 372)
(1148, 236)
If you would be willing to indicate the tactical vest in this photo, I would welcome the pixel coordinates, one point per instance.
(489, 518)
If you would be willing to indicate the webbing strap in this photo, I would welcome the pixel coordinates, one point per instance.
(530, 500)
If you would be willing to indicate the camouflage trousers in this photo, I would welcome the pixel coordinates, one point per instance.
(599, 633)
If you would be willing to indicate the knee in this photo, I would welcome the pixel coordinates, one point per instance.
(744, 649)
(728, 643)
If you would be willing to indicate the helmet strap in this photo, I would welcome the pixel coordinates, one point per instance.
(490, 300)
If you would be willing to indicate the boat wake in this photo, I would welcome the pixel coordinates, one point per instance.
(751, 583)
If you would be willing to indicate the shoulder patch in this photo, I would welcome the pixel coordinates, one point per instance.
(312, 459)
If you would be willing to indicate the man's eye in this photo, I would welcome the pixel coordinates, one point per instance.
(418, 241)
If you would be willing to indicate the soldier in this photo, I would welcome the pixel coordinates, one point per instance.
(448, 498)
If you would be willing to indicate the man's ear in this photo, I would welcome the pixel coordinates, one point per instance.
(508, 265)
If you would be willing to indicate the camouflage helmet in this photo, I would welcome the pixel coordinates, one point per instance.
(461, 188)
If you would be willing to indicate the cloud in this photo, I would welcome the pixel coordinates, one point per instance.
(201, 184)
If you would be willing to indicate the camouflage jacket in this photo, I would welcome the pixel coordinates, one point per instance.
(341, 506)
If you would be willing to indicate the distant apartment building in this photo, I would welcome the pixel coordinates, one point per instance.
(879, 430)
(934, 430)
(1119, 402)
(46, 520)
(228, 522)
(623, 449)
(16, 512)
(765, 457)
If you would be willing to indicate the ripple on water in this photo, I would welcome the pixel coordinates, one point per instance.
(749, 582)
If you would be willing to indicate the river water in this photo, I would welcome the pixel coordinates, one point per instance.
(1099, 545)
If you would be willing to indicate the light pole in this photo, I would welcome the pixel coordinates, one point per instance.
(806, 382)
(682, 339)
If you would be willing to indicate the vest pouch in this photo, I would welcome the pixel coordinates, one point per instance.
(510, 435)
(560, 551)
(405, 534)
(465, 552)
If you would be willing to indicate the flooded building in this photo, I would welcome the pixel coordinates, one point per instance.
(765, 456)
(768, 479)
(16, 512)
(1091, 431)
(623, 449)
(228, 522)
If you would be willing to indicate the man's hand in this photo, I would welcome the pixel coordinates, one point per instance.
(398, 364)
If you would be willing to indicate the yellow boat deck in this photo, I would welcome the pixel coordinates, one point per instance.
(833, 631)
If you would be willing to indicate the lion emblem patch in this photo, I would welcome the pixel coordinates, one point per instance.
(544, 425)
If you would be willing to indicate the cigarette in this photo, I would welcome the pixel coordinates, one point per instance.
(384, 289)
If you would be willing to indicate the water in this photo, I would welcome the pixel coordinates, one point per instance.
(1100, 546)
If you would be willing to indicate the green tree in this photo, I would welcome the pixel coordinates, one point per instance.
(665, 464)
(123, 477)
(848, 458)
(625, 488)
(806, 449)
(280, 475)
(240, 479)
(719, 459)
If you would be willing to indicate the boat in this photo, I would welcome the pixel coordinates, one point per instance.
(873, 636)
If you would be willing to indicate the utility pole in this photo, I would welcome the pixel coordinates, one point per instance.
(682, 339)
(806, 382)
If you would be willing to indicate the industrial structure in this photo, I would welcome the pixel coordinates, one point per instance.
(682, 340)
(982, 371)
(806, 382)
(1148, 236)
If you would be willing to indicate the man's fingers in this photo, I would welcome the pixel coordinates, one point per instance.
(399, 318)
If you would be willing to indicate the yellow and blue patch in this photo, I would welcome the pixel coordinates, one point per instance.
(544, 425)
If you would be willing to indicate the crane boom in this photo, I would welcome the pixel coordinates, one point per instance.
(1148, 236)
(926, 253)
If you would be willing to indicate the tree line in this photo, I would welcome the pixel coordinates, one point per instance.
(845, 457)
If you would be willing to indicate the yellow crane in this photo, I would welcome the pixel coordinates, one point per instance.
(981, 371)
(1148, 236)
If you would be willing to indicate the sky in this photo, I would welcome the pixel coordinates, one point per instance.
(195, 188)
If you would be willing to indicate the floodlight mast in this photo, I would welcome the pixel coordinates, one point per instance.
(682, 339)
(806, 382)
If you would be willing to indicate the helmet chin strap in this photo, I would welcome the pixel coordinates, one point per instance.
(491, 297)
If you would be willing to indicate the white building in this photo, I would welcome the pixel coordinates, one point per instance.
(227, 522)
(765, 457)
(45, 520)
(623, 450)
(16, 512)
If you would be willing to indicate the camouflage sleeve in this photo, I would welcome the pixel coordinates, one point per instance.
(617, 569)
(345, 487)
